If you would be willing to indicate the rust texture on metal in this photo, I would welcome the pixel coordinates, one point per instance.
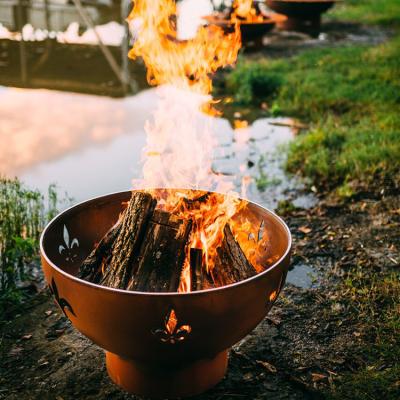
(251, 32)
(135, 328)
(302, 15)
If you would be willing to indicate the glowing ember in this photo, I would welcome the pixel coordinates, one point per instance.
(180, 143)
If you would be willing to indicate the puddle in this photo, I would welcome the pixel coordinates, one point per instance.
(303, 276)
(91, 145)
(99, 150)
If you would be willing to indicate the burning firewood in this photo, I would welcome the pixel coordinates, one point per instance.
(91, 268)
(159, 264)
(199, 277)
(110, 262)
(128, 241)
(231, 265)
(146, 251)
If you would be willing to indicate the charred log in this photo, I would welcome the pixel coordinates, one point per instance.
(231, 264)
(159, 264)
(126, 245)
(146, 250)
(198, 275)
(91, 268)
(109, 262)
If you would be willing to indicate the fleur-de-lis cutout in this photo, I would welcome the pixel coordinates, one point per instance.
(68, 246)
(172, 332)
(62, 303)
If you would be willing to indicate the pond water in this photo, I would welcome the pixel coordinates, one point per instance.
(91, 145)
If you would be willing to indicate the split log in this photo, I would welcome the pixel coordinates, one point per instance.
(199, 278)
(126, 245)
(146, 250)
(118, 245)
(92, 268)
(231, 265)
(161, 258)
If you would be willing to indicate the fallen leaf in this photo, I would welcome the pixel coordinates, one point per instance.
(305, 229)
(275, 321)
(15, 351)
(27, 337)
(317, 377)
(48, 312)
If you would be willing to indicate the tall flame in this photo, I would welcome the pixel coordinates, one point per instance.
(180, 142)
(185, 64)
(246, 10)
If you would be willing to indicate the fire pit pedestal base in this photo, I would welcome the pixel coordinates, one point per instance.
(166, 381)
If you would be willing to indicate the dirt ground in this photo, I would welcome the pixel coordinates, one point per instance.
(298, 352)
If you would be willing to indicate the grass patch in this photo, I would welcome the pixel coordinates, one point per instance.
(351, 96)
(383, 12)
(373, 303)
(23, 214)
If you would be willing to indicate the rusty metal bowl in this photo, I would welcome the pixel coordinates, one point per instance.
(144, 355)
(302, 15)
(251, 32)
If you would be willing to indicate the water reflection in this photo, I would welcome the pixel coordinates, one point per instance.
(91, 145)
(40, 126)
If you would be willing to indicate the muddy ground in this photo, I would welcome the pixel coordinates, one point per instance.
(303, 346)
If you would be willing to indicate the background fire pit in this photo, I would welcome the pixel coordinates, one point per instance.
(157, 344)
(302, 15)
(251, 31)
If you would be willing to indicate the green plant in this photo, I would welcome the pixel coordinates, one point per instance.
(252, 82)
(349, 95)
(22, 217)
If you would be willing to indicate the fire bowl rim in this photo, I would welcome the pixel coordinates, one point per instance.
(269, 19)
(136, 293)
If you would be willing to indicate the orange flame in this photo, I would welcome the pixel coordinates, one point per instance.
(185, 64)
(244, 10)
(179, 148)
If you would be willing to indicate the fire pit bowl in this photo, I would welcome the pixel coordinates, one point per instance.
(302, 15)
(144, 355)
(251, 32)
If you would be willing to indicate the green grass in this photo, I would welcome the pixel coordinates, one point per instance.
(383, 12)
(374, 307)
(23, 214)
(351, 96)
